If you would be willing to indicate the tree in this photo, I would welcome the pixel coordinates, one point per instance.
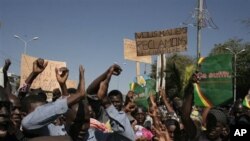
(153, 70)
(242, 63)
(176, 74)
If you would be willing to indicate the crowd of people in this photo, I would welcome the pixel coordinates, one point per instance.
(95, 113)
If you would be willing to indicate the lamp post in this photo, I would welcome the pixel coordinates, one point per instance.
(25, 42)
(235, 57)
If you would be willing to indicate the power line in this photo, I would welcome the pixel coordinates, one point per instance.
(200, 18)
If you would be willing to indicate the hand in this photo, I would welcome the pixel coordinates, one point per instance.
(115, 69)
(62, 75)
(152, 101)
(153, 110)
(130, 96)
(130, 107)
(39, 65)
(195, 78)
(6, 65)
(134, 123)
(162, 93)
(81, 85)
(162, 135)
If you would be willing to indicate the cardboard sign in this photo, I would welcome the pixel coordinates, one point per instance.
(160, 42)
(131, 54)
(71, 84)
(47, 79)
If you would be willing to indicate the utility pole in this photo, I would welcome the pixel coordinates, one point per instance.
(235, 53)
(201, 19)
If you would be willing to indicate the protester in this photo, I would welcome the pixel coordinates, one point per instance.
(98, 114)
(216, 120)
(16, 113)
(112, 104)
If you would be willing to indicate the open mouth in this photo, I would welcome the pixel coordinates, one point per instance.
(4, 125)
(3, 128)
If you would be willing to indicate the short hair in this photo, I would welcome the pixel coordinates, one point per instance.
(72, 90)
(56, 93)
(171, 121)
(115, 93)
(214, 116)
(177, 131)
(40, 92)
(133, 113)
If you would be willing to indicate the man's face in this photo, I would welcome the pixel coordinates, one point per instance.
(140, 116)
(16, 114)
(117, 102)
(171, 129)
(4, 117)
(214, 132)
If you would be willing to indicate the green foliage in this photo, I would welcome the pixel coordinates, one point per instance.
(153, 70)
(233, 44)
(242, 62)
(176, 74)
(179, 68)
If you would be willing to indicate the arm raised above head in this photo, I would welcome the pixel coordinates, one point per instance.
(39, 66)
(94, 86)
(7, 85)
(80, 94)
(187, 107)
(62, 76)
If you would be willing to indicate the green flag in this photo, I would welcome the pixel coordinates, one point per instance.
(215, 86)
(136, 88)
(143, 90)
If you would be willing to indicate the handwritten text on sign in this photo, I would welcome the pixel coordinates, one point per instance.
(160, 42)
(130, 52)
(47, 79)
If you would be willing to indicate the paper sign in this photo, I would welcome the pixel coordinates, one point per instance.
(160, 42)
(47, 79)
(131, 54)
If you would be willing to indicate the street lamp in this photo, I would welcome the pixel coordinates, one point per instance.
(25, 42)
(235, 56)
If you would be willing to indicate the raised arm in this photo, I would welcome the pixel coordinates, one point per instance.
(103, 90)
(94, 86)
(165, 100)
(80, 94)
(118, 119)
(62, 76)
(161, 134)
(187, 108)
(153, 111)
(81, 89)
(38, 119)
(7, 85)
(39, 66)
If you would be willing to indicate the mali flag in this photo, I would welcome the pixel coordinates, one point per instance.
(215, 85)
